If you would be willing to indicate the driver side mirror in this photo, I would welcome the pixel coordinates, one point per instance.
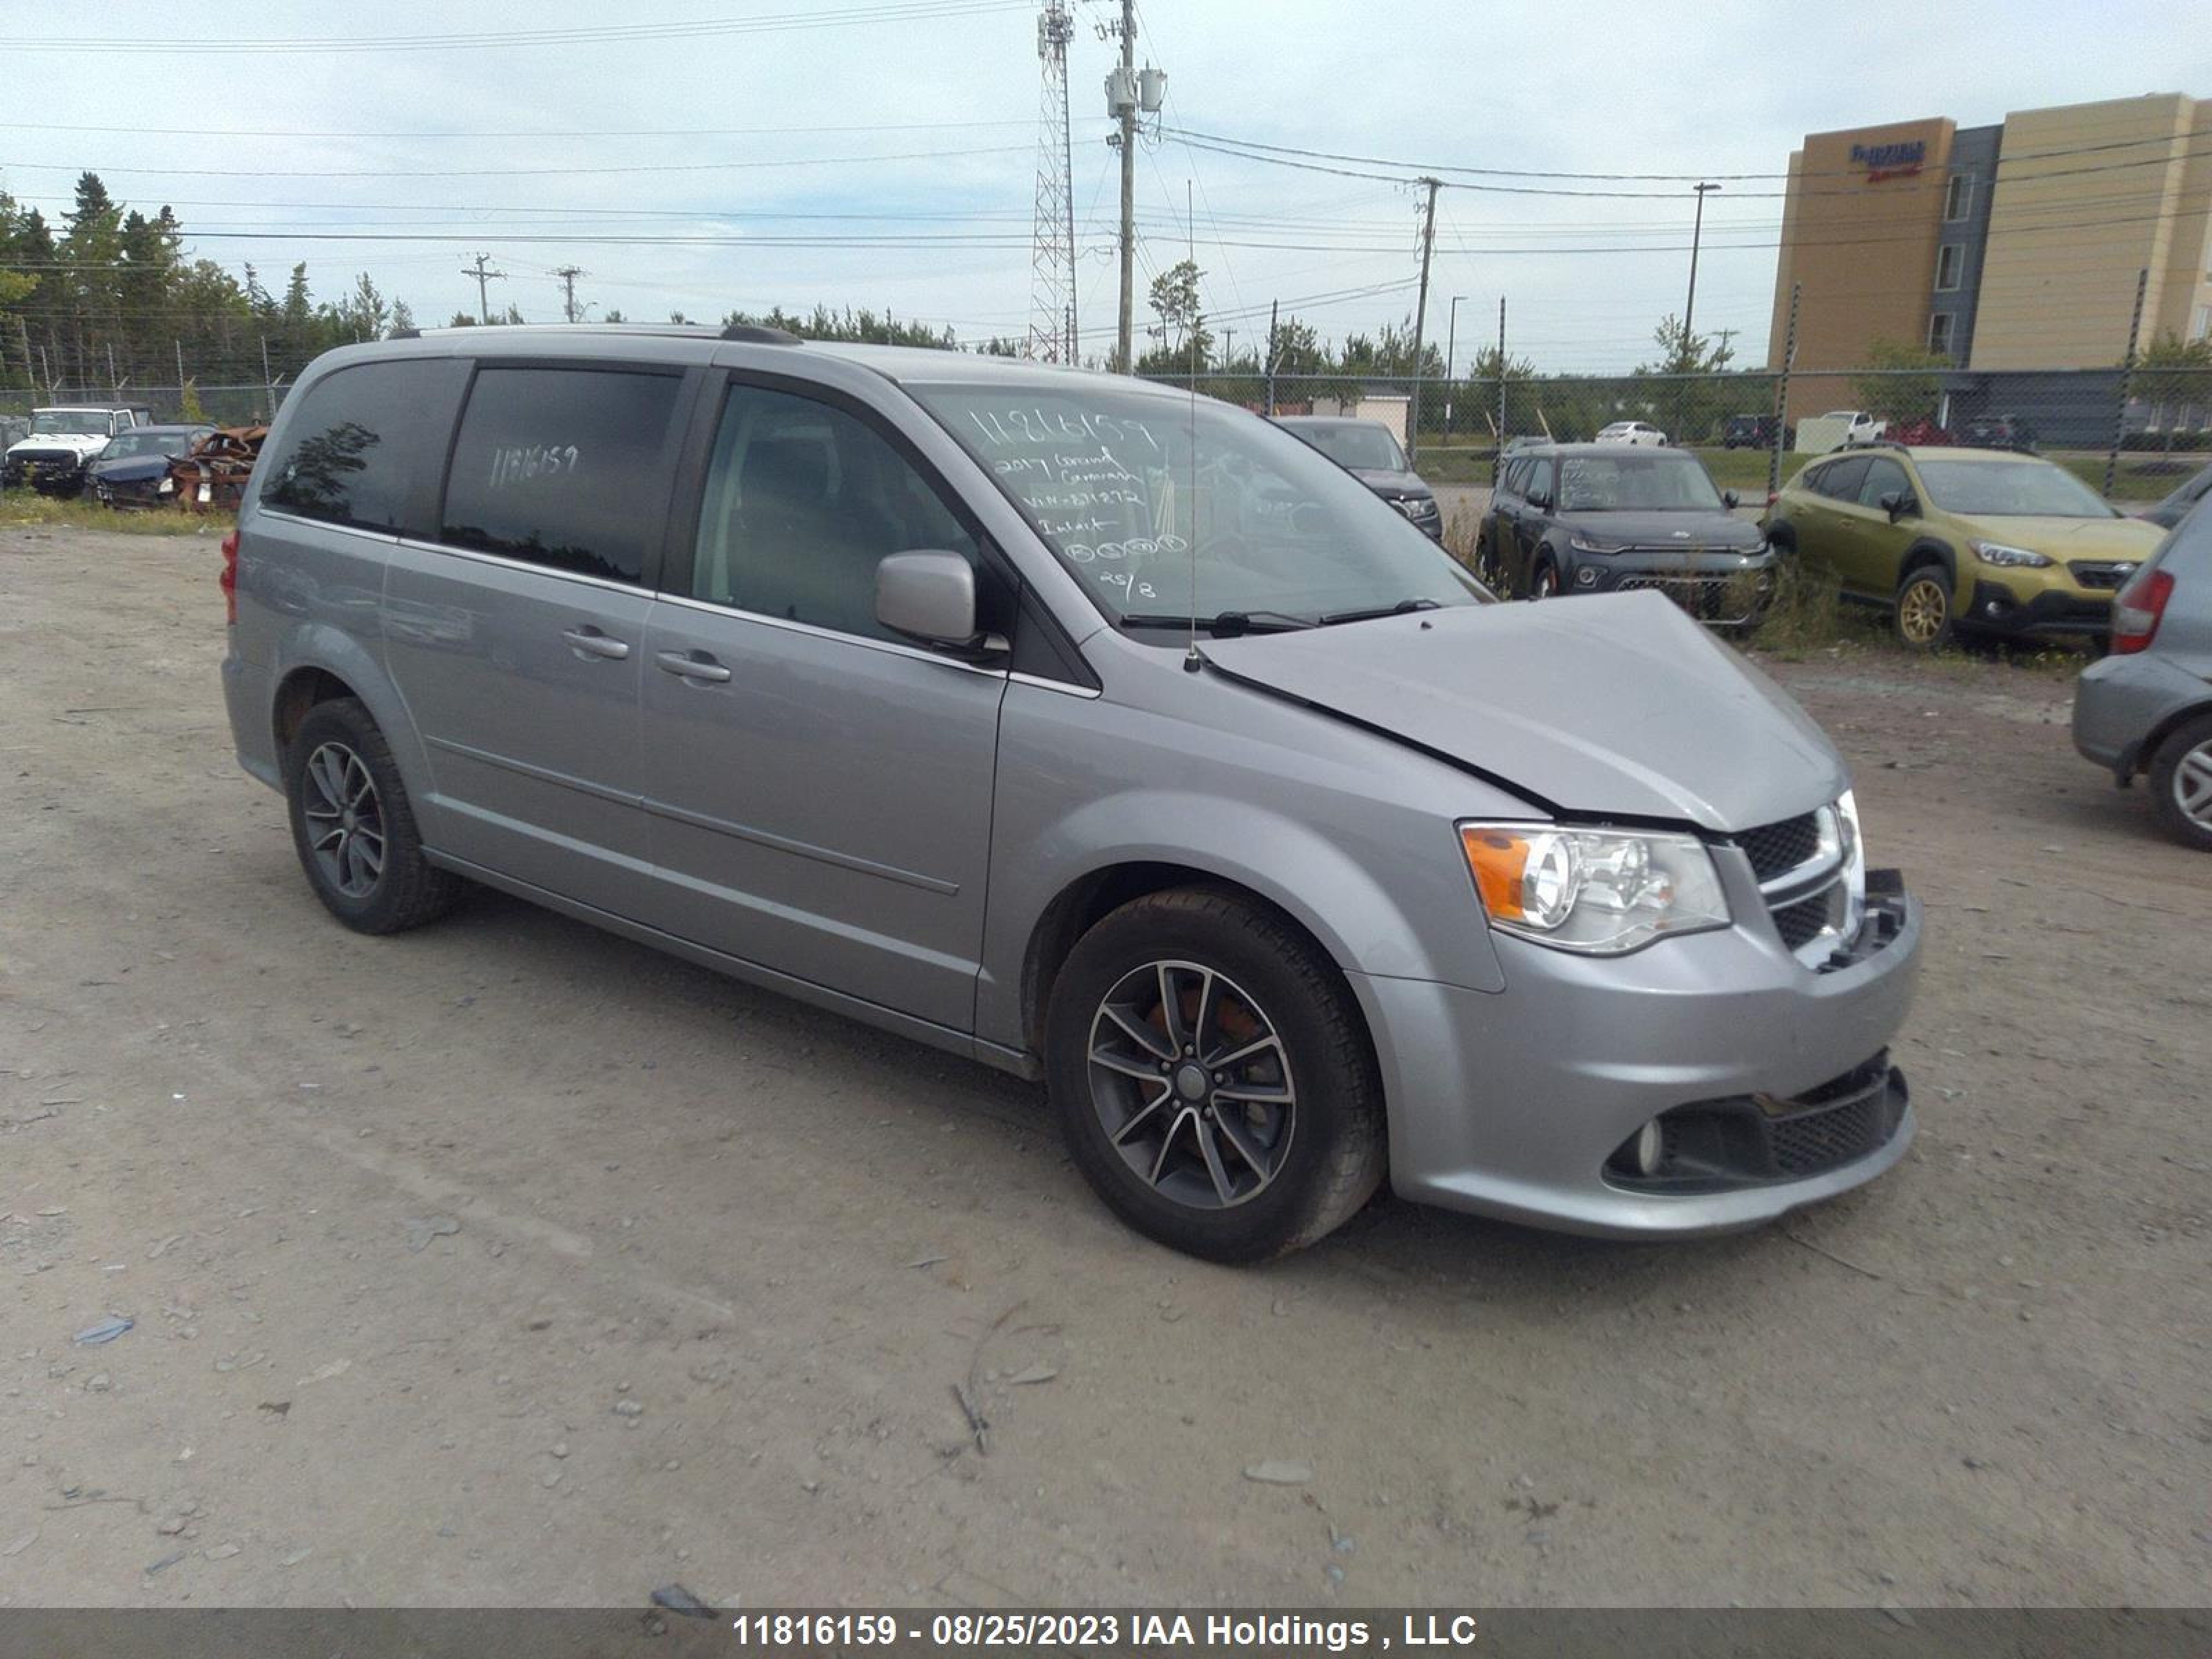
(1730, 499)
(1540, 499)
(930, 597)
(1898, 503)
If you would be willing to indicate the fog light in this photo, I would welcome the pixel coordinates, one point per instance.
(1650, 1147)
(1992, 608)
(1586, 577)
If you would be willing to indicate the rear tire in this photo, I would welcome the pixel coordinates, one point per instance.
(2181, 783)
(1212, 1077)
(354, 827)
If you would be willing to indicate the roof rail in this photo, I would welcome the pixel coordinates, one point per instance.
(404, 334)
(753, 334)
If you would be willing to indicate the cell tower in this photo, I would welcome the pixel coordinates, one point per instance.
(1052, 281)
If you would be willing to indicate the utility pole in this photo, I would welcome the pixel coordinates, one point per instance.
(1451, 342)
(1683, 359)
(482, 276)
(1498, 465)
(1123, 103)
(1420, 319)
(567, 274)
(1274, 309)
(1697, 234)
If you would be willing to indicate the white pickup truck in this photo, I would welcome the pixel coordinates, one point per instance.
(64, 441)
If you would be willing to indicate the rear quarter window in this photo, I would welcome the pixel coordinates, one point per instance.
(568, 468)
(364, 447)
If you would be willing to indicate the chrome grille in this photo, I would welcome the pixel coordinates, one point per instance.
(1775, 849)
(1805, 873)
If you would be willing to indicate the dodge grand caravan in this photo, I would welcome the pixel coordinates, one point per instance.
(1109, 735)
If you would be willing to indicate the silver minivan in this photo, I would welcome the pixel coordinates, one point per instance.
(1109, 735)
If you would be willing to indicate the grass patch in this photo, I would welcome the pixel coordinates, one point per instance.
(26, 509)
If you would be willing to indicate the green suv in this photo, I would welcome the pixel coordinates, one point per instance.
(1962, 540)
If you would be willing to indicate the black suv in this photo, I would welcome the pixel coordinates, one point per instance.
(1755, 432)
(1368, 451)
(1998, 432)
(1603, 518)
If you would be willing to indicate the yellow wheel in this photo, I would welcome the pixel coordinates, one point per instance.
(1924, 610)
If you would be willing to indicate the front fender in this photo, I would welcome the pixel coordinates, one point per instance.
(1350, 835)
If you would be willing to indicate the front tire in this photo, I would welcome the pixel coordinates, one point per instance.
(1545, 583)
(1923, 618)
(1212, 1077)
(354, 827)
(2181, 783)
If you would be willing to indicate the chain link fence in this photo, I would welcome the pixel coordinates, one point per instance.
(2132, 434)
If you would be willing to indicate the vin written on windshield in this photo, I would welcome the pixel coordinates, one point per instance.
(1159, 506)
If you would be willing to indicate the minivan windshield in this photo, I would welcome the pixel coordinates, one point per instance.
(1634, 482)
(2026, 488)
(1170, 509)
(1354, 444)
(69, 422)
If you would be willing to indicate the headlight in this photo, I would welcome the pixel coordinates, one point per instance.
(1998, 553)
(168, 487)
(1583, 543)
(1598, 892)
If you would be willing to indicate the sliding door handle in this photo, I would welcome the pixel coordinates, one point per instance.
(692, 666)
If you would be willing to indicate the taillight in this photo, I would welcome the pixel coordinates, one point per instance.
(229, 578)
(2136, 609)
(1772, 496)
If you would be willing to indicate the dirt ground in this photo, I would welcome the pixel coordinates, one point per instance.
(508, 1263)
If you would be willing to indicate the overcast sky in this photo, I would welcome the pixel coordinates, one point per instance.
(916, 127)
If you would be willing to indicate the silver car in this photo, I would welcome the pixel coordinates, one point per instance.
(2146, 709)
(1109, 735)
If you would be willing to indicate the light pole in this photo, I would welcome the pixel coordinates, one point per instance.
(1689, 311)
(1451, 339)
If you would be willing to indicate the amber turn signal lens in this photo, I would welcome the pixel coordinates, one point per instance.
(1499, 860)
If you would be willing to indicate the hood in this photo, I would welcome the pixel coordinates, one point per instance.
(1385, 482)
(2070, 539)
(79, 443)
(1682, 531)
(130, 469)
(1613, 706)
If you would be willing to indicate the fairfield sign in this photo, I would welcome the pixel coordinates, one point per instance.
(1890, 160)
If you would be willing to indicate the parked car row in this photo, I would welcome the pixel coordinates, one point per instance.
(119, 456)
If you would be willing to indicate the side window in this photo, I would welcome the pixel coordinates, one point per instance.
(1840, 480)
(1510, 481)
(1882, 476)
(364, 447)
(1538, 484)
(568, 468)
(803, 501)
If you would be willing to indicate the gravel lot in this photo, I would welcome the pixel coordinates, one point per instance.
(505, 1262)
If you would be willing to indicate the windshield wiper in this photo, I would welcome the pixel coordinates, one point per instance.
(1226, 625)
(1403, 608)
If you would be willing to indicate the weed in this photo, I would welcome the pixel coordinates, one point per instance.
(24, 509)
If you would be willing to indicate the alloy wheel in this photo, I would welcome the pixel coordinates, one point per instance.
(1921, 611)
(345, 820)
(2192, 785)
(1191, 1082)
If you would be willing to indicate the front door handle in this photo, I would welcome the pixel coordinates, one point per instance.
(589, 641)
(689, 666)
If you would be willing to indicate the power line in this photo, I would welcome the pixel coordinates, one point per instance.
(509, 172)
(596, 34)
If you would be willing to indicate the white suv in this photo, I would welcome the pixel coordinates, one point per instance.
(1630, 432)
(63, 442)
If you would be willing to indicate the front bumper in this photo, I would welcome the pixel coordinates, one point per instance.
(1512, 1105)
(2119, 701)
(2054, 611)
(49, 475)
(1724, 589)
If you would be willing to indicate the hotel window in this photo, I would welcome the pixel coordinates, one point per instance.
(1938, 332)
(1948, 259)
(1956, 195)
